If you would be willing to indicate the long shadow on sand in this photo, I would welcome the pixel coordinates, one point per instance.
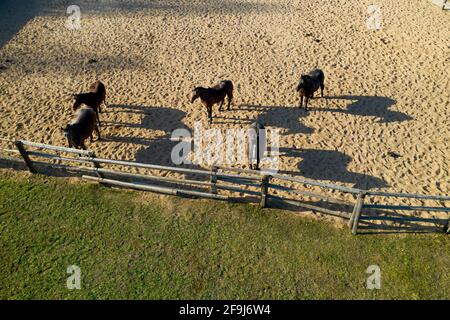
(156, 150)
(181, 8)
(154, 118)
(288, 118)
(14, 15)
(331, 166)
(372, 106)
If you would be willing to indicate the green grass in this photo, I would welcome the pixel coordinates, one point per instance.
(131, 245)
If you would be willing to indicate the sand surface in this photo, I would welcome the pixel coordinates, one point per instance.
(387, 90)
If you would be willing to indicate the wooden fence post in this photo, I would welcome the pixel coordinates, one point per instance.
(357, 212)
(352, 216)
(23, 152)
(95, 164)
(213, 180)
(264, 190)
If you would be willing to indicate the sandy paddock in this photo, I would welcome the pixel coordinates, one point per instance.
(387, 90)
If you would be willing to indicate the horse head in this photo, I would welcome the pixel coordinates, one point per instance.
(195, 94)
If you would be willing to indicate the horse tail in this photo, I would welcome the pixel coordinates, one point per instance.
(230, 88)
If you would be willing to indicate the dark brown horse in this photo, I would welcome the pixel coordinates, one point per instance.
(81, 128)
(216, 94)
(93, 99)
(310, 83)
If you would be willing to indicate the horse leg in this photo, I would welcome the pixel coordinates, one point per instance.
(209, 108)
(301, 102)
(230, 97)
(97, 130)
(306, 103)
(322, 86)
(221, 104)
(98, 118)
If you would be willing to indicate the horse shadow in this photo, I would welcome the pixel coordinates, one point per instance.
(157, 150)
(285, 117)
(369, 106)
(230, 120)
(153, 118)
(130, 140)
(331, 166)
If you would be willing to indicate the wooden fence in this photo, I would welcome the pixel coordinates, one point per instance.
(232, 184)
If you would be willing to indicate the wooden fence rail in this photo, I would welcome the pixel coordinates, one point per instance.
(250, 184)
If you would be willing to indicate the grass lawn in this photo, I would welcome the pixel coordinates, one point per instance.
(134, 245)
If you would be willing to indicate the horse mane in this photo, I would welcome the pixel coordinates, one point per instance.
(200, 89)
(305, 76)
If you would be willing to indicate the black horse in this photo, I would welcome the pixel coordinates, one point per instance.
(81, 128)
(211, 96)
(310, 83)
(93, 99)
